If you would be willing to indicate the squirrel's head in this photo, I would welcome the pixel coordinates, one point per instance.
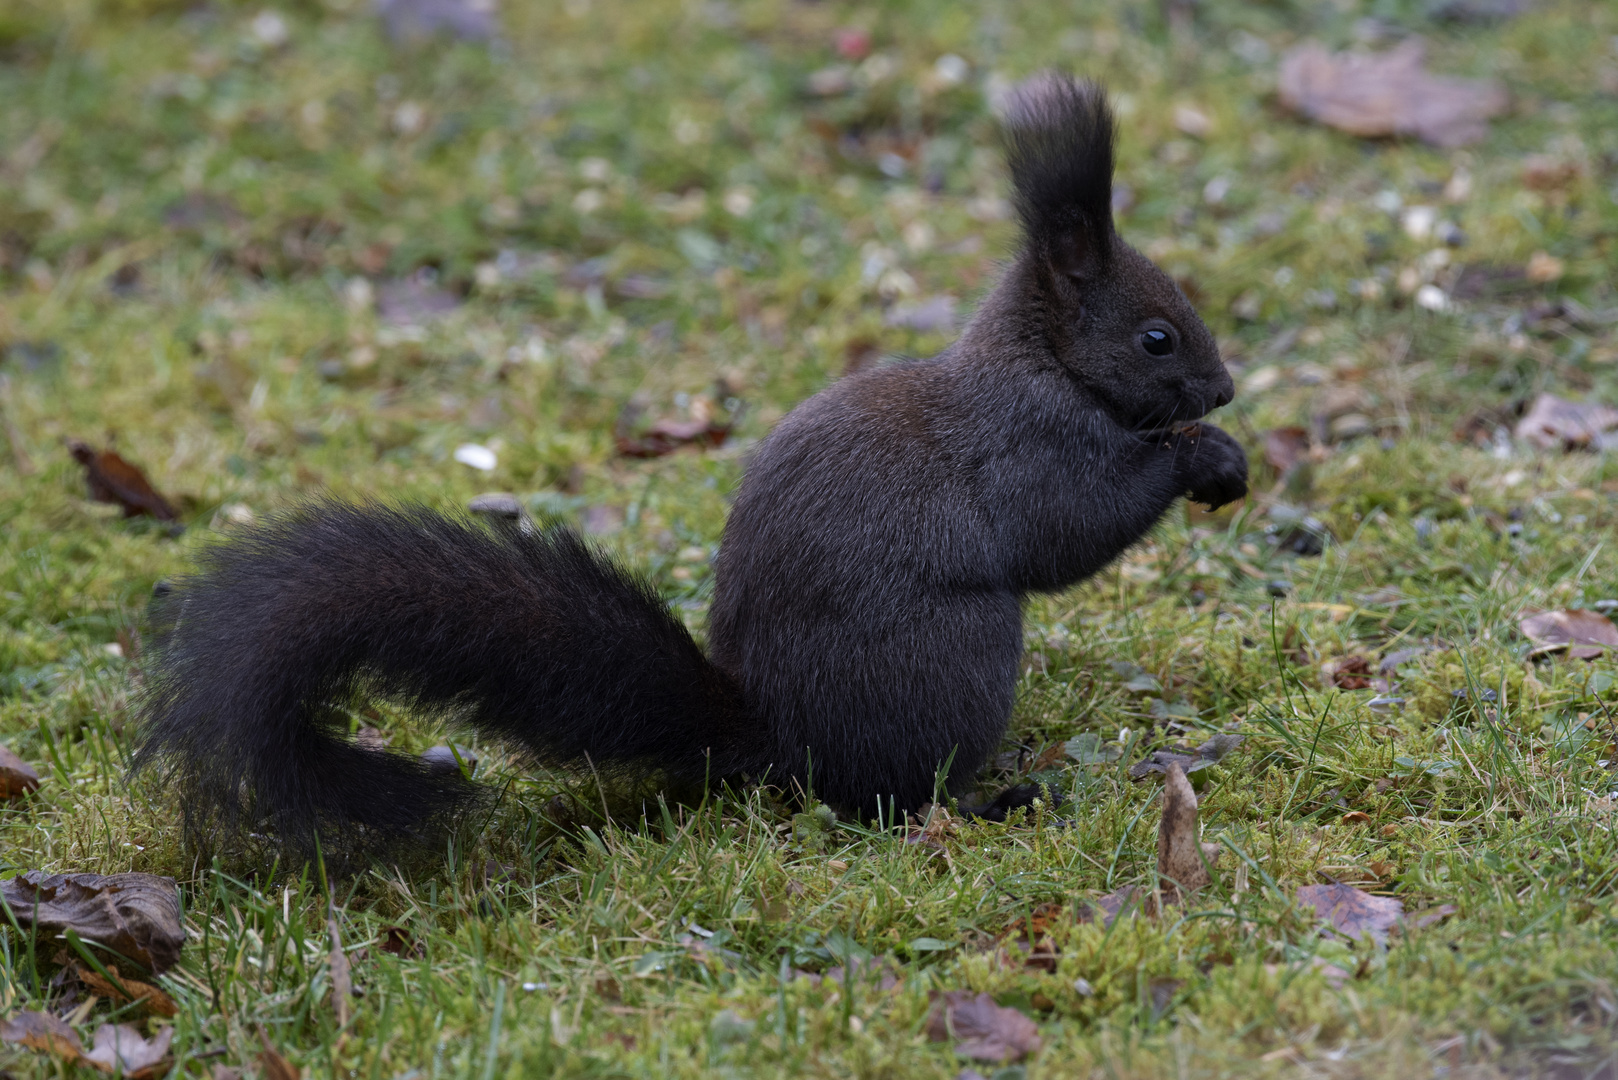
(1115, 321)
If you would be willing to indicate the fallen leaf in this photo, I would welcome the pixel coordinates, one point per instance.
(1553, 423)
(272, 1066)
(1584, 634)
(1353, 912)
(1122, 899)
(667, 436)
(16, 777)
(150, 997)
(1387, 94)
(938, 825)
(1285, 448)
(400, 942)
(1031, 939)
(111, 479)
(1089, 749)
(1348, 673)
(119, 1048)
(1182, 860)
(1188, 759)
(42, 1031)
(467, 20)
(135, 915)
(988, 1032)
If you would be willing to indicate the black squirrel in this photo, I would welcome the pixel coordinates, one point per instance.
(865, 633)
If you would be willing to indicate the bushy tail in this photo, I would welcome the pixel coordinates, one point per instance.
(533, 638)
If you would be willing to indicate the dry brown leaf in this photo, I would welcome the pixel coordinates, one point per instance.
(1109, 907)
(667, 436)
(400, 942)
(111, 479)
(272, 1066)
(1388, 93)
(153, 999)
(1584, 634)
(988, 1032)
(1182, 860)
(1554, 423)
(1353, 912)
(17, 778)
(42, 1031)
(937, 827)
(1348, 673)
(119, 1048)
(135, 915)
(1285, 447)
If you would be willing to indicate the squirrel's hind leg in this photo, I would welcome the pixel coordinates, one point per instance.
(1018, 796)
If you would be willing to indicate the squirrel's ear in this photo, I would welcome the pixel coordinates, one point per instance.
(1058, 135)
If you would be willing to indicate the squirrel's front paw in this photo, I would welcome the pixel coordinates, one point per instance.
(1215, 465)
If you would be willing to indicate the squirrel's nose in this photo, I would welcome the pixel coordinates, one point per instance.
(1224, 390)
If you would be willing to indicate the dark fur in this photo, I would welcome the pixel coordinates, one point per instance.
(531, 638)
(866, 628)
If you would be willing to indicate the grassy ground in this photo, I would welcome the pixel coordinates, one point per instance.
(637, 206)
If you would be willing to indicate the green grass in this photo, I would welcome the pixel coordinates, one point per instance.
(187, 213)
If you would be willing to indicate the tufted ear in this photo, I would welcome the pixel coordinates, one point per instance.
(1058, 134)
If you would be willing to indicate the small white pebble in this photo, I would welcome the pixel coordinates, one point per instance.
(1418, 221)
(1432, 298)
(951, 70)
(270, 29)
(477, 456)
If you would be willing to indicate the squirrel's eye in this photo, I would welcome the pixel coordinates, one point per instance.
(1157, 342)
